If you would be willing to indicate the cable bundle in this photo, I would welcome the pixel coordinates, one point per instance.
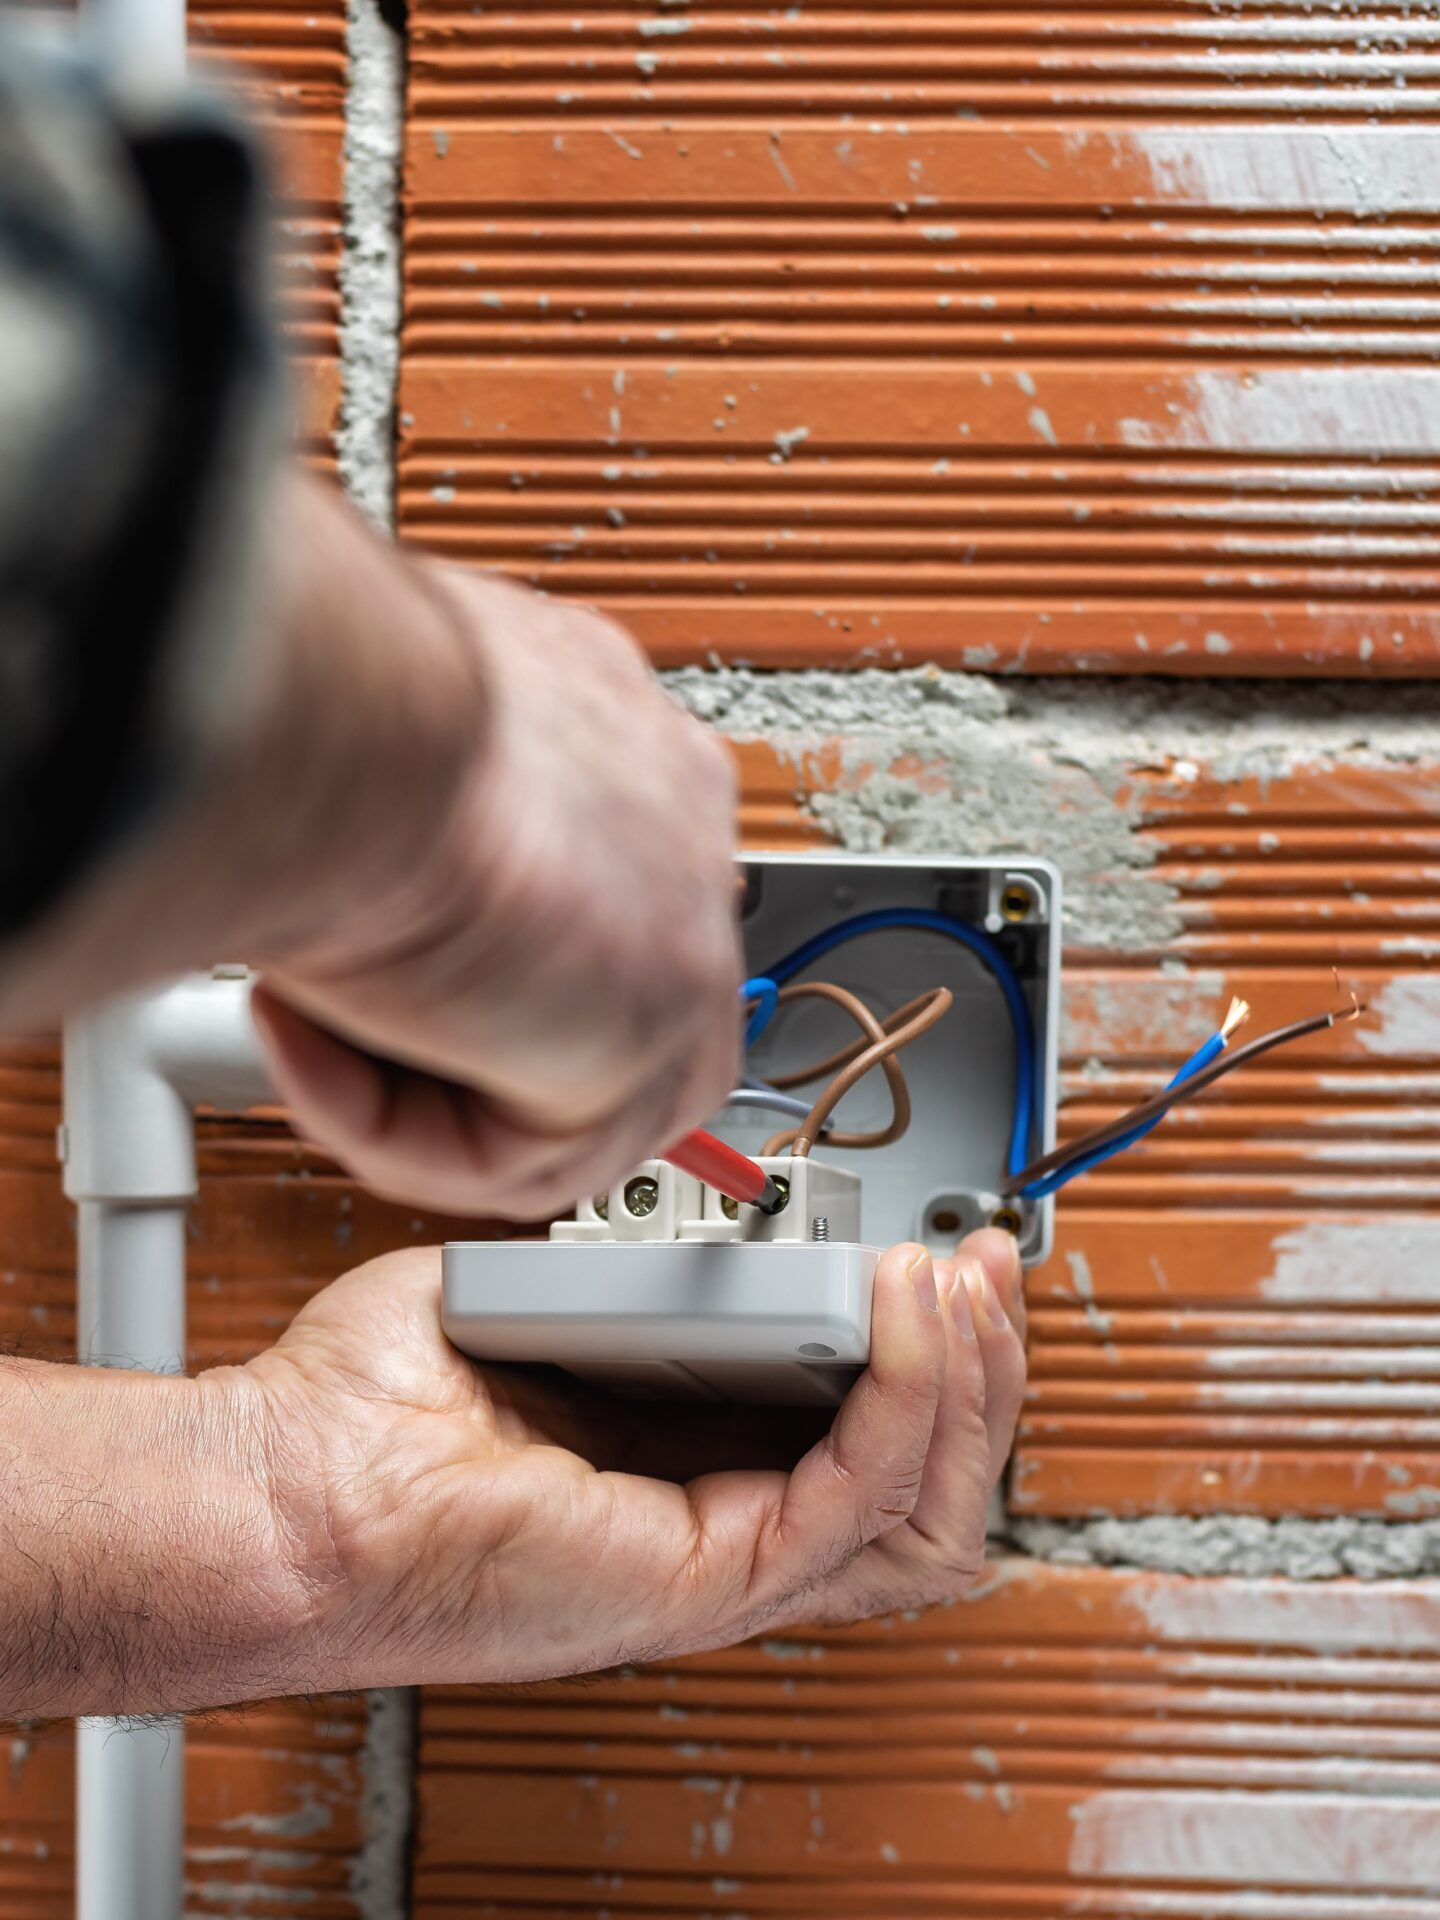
(880, 1042)
(1204, 1067)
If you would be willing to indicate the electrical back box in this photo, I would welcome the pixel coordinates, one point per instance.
(684, 1299)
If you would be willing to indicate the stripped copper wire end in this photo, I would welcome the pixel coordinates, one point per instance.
(1235, 1018)
(1355, 1009)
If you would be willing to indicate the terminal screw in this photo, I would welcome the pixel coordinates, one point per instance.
(642, 1196)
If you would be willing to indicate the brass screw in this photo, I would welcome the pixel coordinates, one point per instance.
(642, 1196)
(1017, 903)
(601, 1204)
(1007, 1219)
(730, 1208)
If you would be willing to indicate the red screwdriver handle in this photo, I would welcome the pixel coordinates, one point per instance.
(705, 1158)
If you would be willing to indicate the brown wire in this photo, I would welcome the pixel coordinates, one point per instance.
(934, 1006)
(833, 1063)
(1168, 1097)
(872, 1033)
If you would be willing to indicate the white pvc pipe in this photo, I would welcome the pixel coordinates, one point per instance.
(130, 1780)
(130, 1814)
(133, 1071)
(132, 1285)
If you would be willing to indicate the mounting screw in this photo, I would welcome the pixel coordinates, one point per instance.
(820, 1227)
(642, 1196)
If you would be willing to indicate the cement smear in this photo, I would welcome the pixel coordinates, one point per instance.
(370, 261)
(380, 1872)
(1239, 1544)
(942, 762)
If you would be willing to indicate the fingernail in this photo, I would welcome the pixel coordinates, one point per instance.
(922, 1279)
(986, 1301)
(960, 1311)
(1013, 1284)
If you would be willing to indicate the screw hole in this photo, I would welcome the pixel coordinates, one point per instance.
(944, 1220)
(816, 1350)
(1017, 902)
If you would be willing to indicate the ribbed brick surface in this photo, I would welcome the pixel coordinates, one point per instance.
(288, 59)
(994, 336)
(1062, 1743)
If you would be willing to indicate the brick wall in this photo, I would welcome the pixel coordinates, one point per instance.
(944, 363)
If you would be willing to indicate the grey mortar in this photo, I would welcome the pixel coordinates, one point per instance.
(380, 1871)
(1229, 1543)
(1045, 765)
(370, 296)
(370, 289)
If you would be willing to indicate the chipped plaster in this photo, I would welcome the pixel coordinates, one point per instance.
(1215, 1544)
(370, 261)
(934, 761)
(380, 1871)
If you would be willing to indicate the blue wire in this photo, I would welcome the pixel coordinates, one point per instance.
(986, 950)
(1062, 1176)
(767, 992)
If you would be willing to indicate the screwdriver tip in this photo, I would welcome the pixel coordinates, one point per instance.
(771, 1198)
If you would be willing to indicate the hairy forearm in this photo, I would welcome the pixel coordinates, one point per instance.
(360, 690)
(147, 1567)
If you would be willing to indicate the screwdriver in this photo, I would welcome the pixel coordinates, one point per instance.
(707, 1158)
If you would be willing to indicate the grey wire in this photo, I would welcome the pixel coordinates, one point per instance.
(771, 1099)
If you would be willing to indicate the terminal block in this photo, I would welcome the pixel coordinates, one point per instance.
(665, 1289)
(658, 1203)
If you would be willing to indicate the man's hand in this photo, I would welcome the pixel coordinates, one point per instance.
(460, 1523)
(485, 863)
(552, 993)
(363, 1506)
